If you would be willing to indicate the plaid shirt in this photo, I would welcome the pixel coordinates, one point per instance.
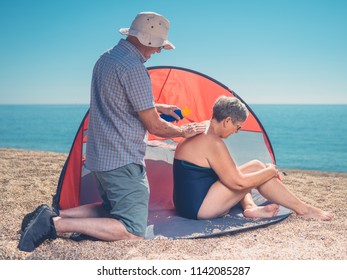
(120, 88)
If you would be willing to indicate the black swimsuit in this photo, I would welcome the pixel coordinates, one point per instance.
(191, 184)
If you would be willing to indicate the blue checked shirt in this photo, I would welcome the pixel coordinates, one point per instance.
(120, 88)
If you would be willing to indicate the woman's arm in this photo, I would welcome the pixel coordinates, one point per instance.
(229, 174)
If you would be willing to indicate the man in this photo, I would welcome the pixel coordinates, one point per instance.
(122, 110)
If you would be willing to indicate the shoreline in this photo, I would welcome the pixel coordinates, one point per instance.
(29, 178)
(282, 170)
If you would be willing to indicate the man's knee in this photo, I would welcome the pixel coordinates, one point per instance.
(127, 235)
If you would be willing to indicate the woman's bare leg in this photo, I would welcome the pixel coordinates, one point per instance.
(251, 210)
(220, 199)
(275, 191)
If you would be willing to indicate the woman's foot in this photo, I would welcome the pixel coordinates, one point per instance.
(316, 213)
(267, 211)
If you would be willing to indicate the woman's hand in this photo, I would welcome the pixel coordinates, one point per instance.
(273, 168)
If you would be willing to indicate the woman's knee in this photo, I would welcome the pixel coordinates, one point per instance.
(256, 165)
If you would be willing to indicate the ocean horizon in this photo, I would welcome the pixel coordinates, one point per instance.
(308, 137)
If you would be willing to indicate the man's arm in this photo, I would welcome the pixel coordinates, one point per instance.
(157, 126)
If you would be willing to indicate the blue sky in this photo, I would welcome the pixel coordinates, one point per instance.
(284, 51)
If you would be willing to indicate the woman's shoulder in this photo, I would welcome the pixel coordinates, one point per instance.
(204, 141)
(205, 138)
(210, 138)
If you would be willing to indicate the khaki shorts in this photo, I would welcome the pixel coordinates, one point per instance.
(125, 193)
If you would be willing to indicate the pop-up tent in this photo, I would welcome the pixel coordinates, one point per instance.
(184, 88)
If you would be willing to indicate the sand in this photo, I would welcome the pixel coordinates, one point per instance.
(29, 178)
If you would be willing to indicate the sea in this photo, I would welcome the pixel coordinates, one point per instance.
(309, 137)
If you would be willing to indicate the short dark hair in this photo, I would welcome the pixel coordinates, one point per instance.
(227, 106)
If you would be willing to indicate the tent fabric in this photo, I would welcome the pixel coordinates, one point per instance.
(184, 88)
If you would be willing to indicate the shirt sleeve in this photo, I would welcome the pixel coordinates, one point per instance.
(138, 88)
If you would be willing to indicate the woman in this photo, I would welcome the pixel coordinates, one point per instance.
(207, 182)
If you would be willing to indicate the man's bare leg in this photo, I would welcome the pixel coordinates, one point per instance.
(92, 220)
(93, 210)
(107, 229)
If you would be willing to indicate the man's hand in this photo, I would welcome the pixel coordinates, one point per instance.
(168, 110)
(192, 129)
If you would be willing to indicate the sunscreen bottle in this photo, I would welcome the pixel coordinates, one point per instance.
(181, 113)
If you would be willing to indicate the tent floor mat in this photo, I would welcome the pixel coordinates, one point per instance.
(168, 224)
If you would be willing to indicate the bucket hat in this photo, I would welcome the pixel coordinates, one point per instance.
(151, 29)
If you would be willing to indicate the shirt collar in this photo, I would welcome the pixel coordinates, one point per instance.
(133, 49)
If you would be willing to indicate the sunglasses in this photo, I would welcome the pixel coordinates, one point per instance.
(238, 127)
